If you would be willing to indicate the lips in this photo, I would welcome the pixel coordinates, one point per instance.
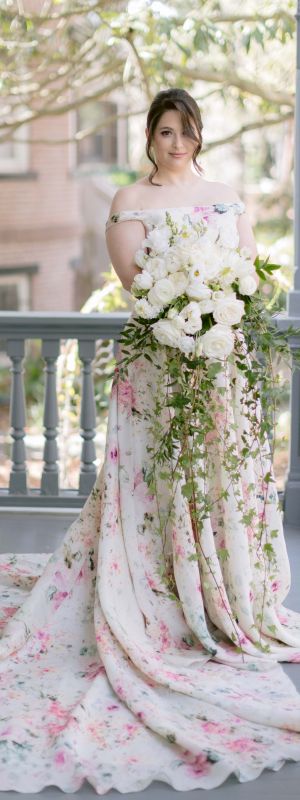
(178, 155)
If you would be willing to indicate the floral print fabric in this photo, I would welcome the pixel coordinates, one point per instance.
(103, 675)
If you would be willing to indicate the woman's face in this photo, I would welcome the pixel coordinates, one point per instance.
(169, 139)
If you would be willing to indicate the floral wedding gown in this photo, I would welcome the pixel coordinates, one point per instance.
(103, 675)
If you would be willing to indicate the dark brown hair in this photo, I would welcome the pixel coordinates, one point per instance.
(181, 101)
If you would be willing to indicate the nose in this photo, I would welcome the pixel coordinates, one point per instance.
(178, 142)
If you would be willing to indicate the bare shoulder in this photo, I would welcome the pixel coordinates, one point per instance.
(126, 198)
(225, 193)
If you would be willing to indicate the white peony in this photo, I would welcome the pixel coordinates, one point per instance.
(162, 292)
(228, 310)
(198, 290)
(247, 284)
(218, 342)
(158, 240)
(143, 280)
(146, 310)
(192, 318)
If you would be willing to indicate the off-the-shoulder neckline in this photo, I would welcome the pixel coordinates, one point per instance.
(176, 208)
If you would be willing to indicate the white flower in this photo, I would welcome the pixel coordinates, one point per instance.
(141, 258)
(146, 310)
(162, 292)
(218, 342)
(199, 347)
(179, 282)
(186, 344)
(228, 310)
(247, 284)
(157, 267)
(192, 318)
(158, 240)
(167, 331)
(143, 280)
(198, 290)
(206, 306)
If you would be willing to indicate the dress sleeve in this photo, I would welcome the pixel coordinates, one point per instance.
(122, 216)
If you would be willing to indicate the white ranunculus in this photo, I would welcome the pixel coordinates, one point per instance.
(217, 342)
(247, 284)
(198, 290)
(192, 318)
(158, 240)
(228, 310)
(157, 267)
(143, 280)
(145, 309)
(162, 292)
(167, 331)
(141, 258)
(179, 282)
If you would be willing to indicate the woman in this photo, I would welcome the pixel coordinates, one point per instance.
(106, 674)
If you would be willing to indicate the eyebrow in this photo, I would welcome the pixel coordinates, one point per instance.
(167, 127)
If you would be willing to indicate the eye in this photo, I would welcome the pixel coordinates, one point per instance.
(165, 132)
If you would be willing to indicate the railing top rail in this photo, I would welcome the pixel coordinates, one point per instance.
(52, 324)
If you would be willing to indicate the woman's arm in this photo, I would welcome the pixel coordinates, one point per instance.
(123, 239)
(246, 234)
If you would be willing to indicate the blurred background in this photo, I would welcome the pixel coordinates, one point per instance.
(77, 81)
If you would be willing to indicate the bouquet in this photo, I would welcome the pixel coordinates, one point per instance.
(192, 289)
(201, 320)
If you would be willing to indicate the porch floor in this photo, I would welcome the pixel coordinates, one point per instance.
(270, 786)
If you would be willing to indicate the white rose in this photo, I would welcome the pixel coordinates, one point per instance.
(206, 306)
(157, 267)
(143, 280)
(218, 342)
(247, 284)
(157, 240)
(228, 310)
(179, 282)
(146, 310)
(192, 318)
(186, 344)
(167, 331)
(198, 290)
(162, 292)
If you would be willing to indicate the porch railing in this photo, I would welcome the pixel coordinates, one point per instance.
(51, 328)
(87, 329)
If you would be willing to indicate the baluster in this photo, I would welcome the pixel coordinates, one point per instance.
(17, 480)
(87, 478)
(49, 482)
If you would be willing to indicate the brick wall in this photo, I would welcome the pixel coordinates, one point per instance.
(40, 217)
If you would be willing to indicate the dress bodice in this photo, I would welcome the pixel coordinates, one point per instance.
(220, 215)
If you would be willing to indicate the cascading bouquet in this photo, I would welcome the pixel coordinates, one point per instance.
(197, 306)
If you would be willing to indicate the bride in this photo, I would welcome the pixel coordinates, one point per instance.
(105, 676)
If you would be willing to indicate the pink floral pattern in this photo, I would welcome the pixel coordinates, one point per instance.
(105, 676)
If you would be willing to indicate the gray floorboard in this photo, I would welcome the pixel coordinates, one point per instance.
(281, 785)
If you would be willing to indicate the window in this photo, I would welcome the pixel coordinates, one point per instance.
(14, 156)
(15, 287)
(100, 146)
